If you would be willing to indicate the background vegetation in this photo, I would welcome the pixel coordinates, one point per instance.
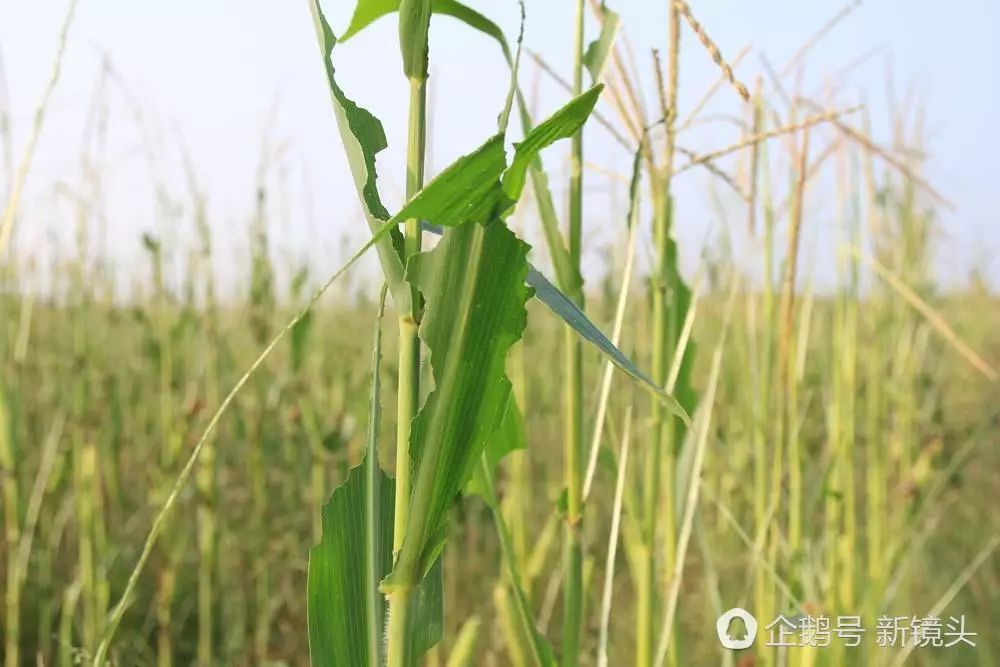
(842, 459)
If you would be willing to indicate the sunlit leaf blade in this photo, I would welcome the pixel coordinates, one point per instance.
(563, 124)
(597, 52)
(473, 19)
(571, 314)
(567, 275)
(473, 286)
(467, 190)
(363, 138)
(562, 306)
(367, 12)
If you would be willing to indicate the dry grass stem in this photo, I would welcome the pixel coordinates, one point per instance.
(799, 55)
(712, 90)
(10, 210)
(888, 157)
(787, 307)
(764, 136)
(713, 50)
(932, 316)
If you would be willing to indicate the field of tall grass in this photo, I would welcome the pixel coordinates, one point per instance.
(481, 458)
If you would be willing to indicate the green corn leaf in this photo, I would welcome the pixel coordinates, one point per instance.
(567, 275)
(346, 611)
(473, 286)
(674, 283)
(363, 138)
(426, 614)
(598, 50)
(563, 124)
(474, 20)
(466, 191)
(345, 615)
(571, 314)
(367, 12)
(508, 438)
(563, 307)
(569, 279)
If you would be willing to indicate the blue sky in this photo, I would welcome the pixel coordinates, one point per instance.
(218, 72)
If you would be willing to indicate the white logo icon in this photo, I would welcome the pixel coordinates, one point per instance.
(722, 628)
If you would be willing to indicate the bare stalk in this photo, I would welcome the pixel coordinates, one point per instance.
(414, 21)
(573, 453)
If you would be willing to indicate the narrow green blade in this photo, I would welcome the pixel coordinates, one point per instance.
(674, 283)
(563, 124)
(474, 20)
(346, 611)
(466, 191)
(473, 285)
(597, 53)
(340, 606)
(363, 138)
(563, 307)
(571, 314)
(367, 12)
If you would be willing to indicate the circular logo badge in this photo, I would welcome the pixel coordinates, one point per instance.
(722, 628)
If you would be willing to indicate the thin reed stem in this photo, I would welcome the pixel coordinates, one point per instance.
(24, 166)
(574, 446)
(159, 523)
(659, 463)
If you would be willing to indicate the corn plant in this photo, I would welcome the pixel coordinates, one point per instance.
(835, 461)
(473, 289)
